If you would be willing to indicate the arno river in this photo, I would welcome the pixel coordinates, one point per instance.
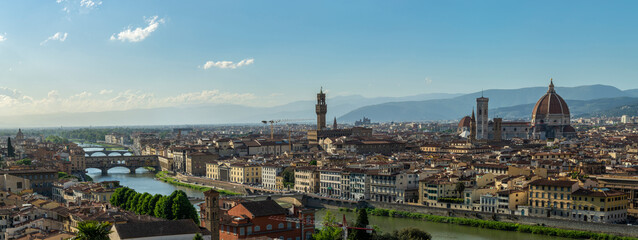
(144, 181)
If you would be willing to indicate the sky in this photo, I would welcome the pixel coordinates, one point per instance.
(101, 55)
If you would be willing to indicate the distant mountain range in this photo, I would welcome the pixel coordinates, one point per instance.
(208, 114)
(506, 103)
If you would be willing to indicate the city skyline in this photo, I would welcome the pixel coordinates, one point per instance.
(84, 56)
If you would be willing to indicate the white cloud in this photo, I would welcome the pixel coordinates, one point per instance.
(58, 36)
(14, 102)
(428, 81)
(3, 37)
(79, 6)
(90, 4)
(138, 34)
(228, 64)
(106, 91)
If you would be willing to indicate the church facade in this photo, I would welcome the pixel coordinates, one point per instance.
(550, 119)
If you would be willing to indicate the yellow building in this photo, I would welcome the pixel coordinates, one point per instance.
(551, 198)
(279, 183)
(432, 190)
(212, 171)
(245, 173)
(599, 205)
(306, 179)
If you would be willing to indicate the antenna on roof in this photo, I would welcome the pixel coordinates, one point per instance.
(481, 92)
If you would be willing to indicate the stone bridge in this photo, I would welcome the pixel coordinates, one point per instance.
(106, 152)
(131, 162)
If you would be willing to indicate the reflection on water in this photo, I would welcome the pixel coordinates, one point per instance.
(142, 181)
(437, 230)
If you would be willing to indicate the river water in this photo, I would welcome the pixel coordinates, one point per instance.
(144, 181)
(438, 231)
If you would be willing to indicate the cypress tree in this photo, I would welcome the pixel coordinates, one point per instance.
(10, 150)
(362, 222)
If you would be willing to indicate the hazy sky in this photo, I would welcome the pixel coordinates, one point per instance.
(95, 55)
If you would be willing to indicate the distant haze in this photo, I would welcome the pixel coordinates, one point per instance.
(509, 104)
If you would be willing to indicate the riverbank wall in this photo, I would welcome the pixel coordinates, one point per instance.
(211, 183)
(616, 229)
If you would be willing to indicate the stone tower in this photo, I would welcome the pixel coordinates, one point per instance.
(334, 124)
(211, 214)
(321, 109)
(498, 129)
(482, 117)
(472, 127)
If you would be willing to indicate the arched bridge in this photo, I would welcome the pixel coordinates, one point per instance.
(107, 153)
(131, 162)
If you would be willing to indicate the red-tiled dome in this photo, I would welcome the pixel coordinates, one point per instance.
(550, 103)
(465, 122)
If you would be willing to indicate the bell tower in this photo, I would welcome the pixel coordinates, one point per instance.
(210, 214)
(321, 109)
(482, 117)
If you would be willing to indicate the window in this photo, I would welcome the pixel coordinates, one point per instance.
(281, 225)
(257, 228)
(268, 227)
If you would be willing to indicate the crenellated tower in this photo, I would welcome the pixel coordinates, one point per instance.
(321, 109)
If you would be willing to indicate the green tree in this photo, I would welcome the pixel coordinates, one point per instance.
(362, 222)
(92, 230)
(120, 196)
(56, 139)
(386, 236)
(24, 161)
(198, 237)
(163, 208)
(142, 204)
(134, 202)
(459, 188)
(413, 234)
(330, 229)
(116, 196)
(289, 177)
(128, 196)
(11, 152)
(182, 208)
(150, 210)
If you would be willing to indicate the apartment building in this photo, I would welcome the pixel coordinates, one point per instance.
(330, 182)
(245, 173)
(269, 173)
(359, 182)
(394, 187)
(599, 205)
(196, 162)
(551, 198)
(307, 179)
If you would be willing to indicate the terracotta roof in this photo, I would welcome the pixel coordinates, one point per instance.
(264, 208)
(550, 103)
(556, 183)
(600, 193)
(161, 228)
(465, 122)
